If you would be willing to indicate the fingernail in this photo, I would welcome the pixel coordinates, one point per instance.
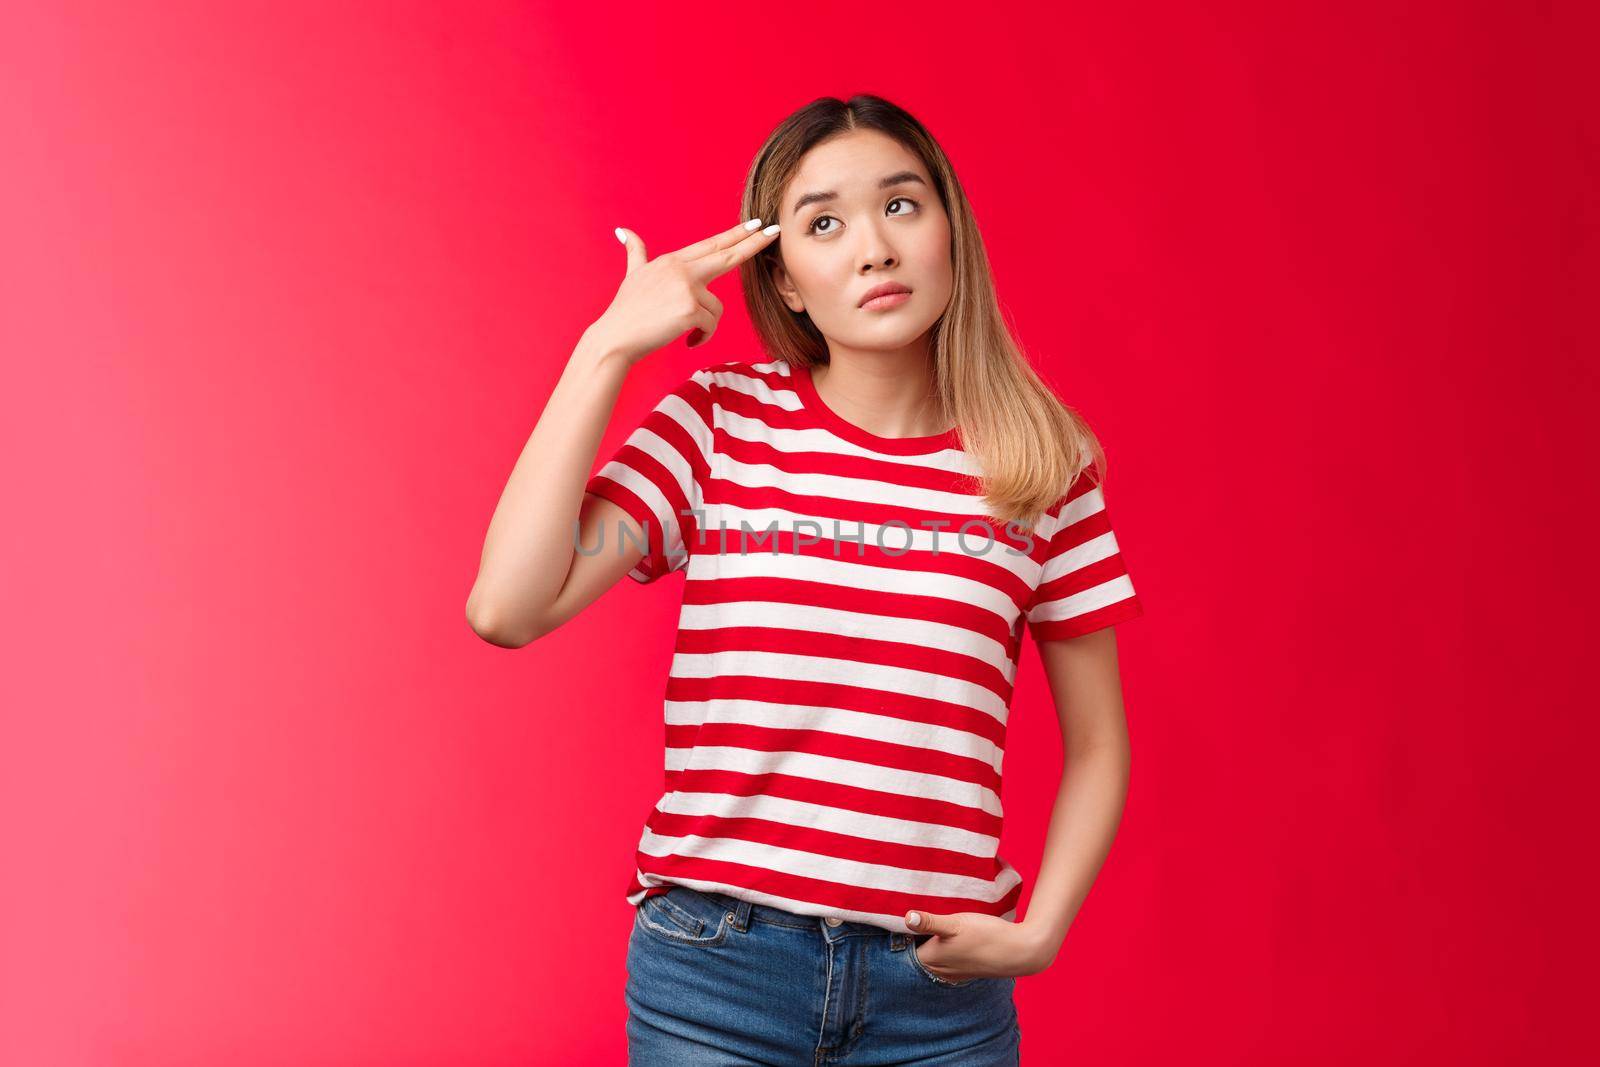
(770, 230)
(752, 224)
(623, 237)
(914, 919)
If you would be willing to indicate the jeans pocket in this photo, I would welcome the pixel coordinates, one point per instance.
(921, 968)
(683, 917)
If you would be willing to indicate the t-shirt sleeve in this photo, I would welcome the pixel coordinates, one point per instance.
(1084, 583)
(657, 476)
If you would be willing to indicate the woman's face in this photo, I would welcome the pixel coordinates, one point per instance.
(860, 234)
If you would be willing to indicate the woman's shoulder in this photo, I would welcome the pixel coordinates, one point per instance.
(725, 377)
(733, 371)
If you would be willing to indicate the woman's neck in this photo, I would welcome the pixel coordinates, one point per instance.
(889, 394)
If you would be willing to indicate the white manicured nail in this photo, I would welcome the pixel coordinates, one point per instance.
(620, 235)
(770, 230)
(752, 224)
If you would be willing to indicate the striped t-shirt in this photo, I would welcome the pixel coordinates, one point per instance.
(849, 637)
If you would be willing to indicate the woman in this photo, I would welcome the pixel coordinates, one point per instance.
(868, 521)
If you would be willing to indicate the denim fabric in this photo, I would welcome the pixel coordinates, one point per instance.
(713, 980)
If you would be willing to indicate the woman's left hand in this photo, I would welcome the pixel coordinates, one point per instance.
(970, 944)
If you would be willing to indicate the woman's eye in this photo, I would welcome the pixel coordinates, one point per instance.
(829, 218)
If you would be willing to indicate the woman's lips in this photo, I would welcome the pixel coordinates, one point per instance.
(889, 300)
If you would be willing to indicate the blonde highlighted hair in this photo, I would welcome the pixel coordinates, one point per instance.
(1028, 443)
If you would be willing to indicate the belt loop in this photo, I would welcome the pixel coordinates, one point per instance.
(741, 915)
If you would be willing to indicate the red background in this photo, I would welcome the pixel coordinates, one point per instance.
(285, 287)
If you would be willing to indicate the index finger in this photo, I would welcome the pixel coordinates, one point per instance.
(724, 259)
(718, 240)
(720, 260)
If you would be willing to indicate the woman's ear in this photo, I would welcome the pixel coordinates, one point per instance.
(786, 289)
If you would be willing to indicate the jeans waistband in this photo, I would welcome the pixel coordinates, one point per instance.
(744, 910)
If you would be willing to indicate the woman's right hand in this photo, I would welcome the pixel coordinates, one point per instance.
(661, 298)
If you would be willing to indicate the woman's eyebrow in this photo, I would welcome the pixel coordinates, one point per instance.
(903, 177)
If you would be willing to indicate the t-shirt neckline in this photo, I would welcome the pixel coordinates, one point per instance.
(806, 389)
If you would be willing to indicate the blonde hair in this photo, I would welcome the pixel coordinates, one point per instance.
(1028, 443)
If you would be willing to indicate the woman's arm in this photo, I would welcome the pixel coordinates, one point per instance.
(531, 578)
(1087, 686)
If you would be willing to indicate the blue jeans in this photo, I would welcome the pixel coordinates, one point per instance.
(713, 980)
